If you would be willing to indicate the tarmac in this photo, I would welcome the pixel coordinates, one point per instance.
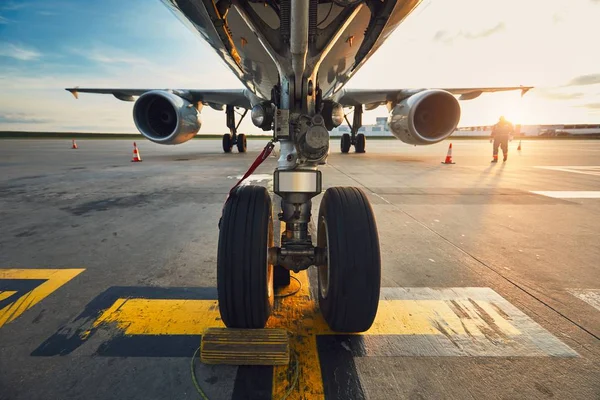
(490, 283)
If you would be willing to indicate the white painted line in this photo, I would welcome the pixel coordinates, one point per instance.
(590, 296)
(467, 321)
(569, 194)
(577, 169)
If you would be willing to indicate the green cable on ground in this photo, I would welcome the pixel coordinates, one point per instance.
(193, 370)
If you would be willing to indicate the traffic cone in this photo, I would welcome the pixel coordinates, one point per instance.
(519, 148)
(136, 154)
(448, 159)
(74, 146)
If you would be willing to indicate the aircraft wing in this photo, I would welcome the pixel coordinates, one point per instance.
(374, 98)
(215, 98)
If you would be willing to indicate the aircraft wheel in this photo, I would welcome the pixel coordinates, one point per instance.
(227, 143)
(345, 143)
(244, 276)
(281, 276)
(349, 282)
(361, 143)
(241, 143)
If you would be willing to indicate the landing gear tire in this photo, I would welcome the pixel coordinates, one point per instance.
(345, 143)
(281, 276)
(227, 143)
(349, 283)
(244, 276)
(241, 143)
(361, 143)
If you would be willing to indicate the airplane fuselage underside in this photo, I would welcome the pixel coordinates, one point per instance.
(312, 42)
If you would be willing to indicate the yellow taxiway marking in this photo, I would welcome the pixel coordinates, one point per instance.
(54, 278)
(463, 321)
(300, 316)
(162, 317)
(6, 294)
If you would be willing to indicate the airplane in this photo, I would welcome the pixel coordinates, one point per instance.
(294, 58)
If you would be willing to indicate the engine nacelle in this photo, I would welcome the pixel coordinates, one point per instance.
(426, 117)
(165, 118)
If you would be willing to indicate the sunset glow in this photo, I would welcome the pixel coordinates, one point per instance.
(462, 43)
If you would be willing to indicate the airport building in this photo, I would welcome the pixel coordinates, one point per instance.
(534, 130)
(380, 128)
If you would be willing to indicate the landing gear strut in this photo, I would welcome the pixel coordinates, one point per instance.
(233, 138)
(250, 266)
(346, 252)
(357, 139)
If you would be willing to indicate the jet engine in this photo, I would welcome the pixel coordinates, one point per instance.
(165, 118)
(424, 118)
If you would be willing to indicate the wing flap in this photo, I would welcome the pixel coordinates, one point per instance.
(373, 98)
(235, 97)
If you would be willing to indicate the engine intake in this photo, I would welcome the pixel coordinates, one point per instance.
(424, 118)
(165, 118)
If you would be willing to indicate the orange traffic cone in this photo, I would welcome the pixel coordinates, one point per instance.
(74, 146)
(519, 148)
(448, 159)
(136, 154)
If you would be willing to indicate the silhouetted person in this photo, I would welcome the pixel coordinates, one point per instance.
(501, 133)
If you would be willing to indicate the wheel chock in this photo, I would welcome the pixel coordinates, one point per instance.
(245, 346)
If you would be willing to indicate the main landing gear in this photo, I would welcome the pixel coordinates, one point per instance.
(233, 138)
(357, 139)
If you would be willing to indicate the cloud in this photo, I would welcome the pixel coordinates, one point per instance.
(593, 106)
(18, 52)
(552, 95)
(3, 20)
(590, 79)
(446, 37)
(488, 32)
(13, 6)
(109, 55)
(21, 118)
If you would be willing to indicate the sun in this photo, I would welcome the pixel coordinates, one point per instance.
(514, 110)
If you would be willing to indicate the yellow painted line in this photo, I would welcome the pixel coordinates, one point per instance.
(6, 294)
(162, 317)
(55, 278)
(300, 316)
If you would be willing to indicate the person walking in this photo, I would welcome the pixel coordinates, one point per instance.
(500, 135)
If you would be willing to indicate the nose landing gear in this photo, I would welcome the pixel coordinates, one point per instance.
(346, 255)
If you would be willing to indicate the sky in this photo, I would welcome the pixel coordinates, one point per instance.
(47, 45)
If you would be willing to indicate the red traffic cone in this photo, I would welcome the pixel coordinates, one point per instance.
(448, 159)
(74, 146)
(519, 148)
(136, 154)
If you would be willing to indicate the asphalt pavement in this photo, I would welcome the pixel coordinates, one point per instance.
(490, 284)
